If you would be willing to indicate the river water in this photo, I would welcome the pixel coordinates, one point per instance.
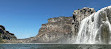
(54, 46)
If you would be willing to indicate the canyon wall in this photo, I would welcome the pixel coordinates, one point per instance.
(86, 26)
(61, 29)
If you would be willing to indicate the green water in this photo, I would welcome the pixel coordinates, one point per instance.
(53, 46)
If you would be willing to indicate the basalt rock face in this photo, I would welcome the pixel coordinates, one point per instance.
(53, 31)
(6, 34)
(78, 16)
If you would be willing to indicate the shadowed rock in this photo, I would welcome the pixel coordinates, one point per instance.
(6, 35)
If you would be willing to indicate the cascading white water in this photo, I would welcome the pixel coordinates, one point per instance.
(96, 28)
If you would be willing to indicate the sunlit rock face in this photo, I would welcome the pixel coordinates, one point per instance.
(96, 28)
(57, 30)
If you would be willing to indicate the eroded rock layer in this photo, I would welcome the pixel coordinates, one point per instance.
(56, 29)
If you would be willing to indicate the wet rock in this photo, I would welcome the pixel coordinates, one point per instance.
(78, 16)
(105, 34)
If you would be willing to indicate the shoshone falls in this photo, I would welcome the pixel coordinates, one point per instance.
(96, 28)
(92, 31)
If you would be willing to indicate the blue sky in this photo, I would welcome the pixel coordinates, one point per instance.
(25, 17)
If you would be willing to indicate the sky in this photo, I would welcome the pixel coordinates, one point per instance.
(25, 17)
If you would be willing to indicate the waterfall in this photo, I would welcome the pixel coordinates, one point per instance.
(96, 28)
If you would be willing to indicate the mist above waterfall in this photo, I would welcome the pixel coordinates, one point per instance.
(96, 28)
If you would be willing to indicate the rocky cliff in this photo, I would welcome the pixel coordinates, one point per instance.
(61, 29)
(6, 35)
(78, 16)
(85, 27)
(53, 31)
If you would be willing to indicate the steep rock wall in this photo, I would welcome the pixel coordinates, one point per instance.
(61, 29)
(56, 29)
(78, 16)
